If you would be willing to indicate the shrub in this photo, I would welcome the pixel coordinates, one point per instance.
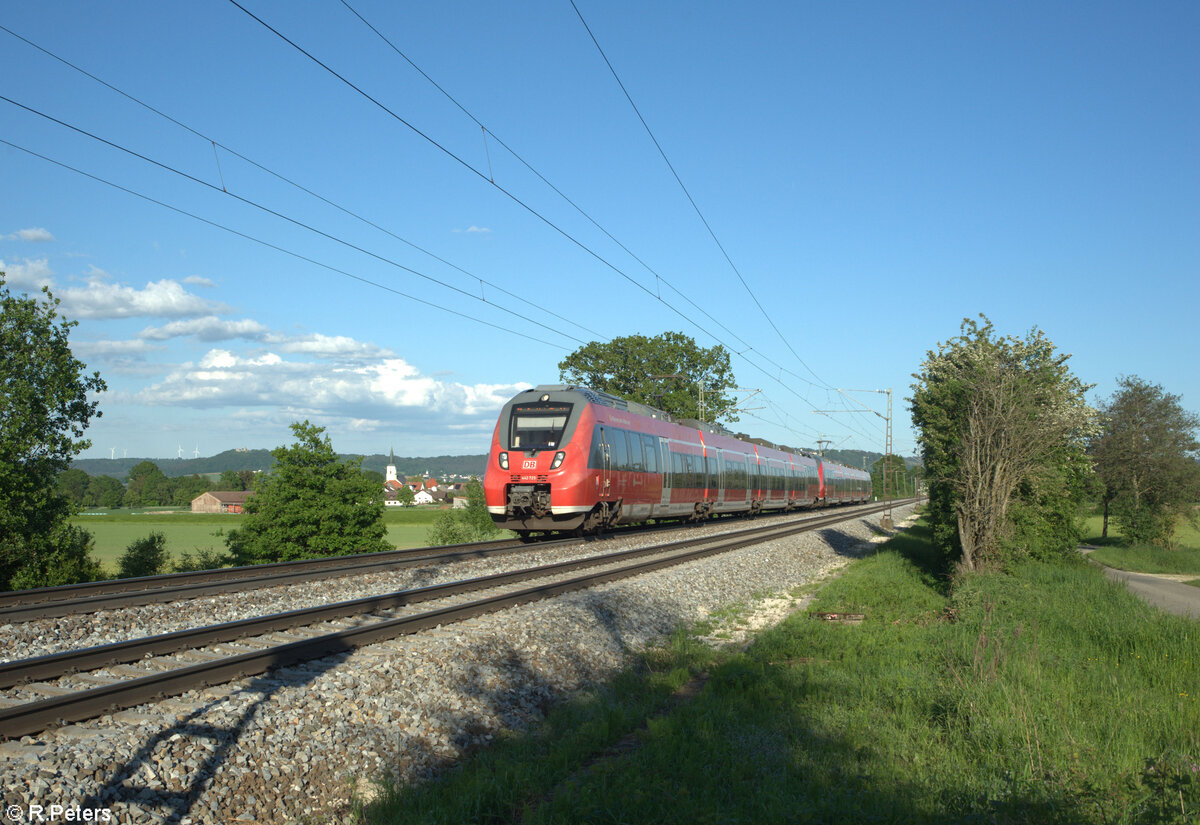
(144, 557)
(204, 559)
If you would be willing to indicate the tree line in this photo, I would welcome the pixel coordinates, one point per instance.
(1011, 449)
(146, 486)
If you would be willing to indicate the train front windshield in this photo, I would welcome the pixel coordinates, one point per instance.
(538, 426)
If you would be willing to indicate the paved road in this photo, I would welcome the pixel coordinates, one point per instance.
(1171, 596)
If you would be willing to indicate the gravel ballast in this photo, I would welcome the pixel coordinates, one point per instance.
(297, 743)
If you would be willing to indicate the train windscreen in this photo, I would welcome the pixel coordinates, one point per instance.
(538, 426)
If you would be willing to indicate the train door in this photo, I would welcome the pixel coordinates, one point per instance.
(605, 466)
(664, 466)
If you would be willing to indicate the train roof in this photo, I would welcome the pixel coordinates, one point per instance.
(616, 402)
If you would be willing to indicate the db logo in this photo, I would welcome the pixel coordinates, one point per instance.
(529, 464)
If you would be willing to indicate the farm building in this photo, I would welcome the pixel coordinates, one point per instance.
(221, 502)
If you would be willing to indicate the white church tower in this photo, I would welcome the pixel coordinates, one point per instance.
(391, 468)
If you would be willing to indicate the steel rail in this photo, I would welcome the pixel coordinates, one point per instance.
(55, 665)
(90, 597)
(31, 717)
(248, 580)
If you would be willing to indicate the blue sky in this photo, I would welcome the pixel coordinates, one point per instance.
(875, 171)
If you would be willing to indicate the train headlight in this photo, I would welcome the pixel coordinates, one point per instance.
(558, 459)
(503, 461)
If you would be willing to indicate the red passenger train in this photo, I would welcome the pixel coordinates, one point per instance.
(574, 459)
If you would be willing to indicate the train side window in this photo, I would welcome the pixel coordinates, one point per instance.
(637, 461)
(650, 449)
(620, 449)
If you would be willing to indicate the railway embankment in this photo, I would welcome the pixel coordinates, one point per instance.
(1042, 694)
(303, 741)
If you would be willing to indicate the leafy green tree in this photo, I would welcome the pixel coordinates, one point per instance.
(1001, 420)
(1146, 457)
(144, 557)
(186, 488)
(44, 410)
(104, 491)
(248, 477)
(312, 504)
(73, 485)
(668, 371)
(147, 486)
(899, 481)
(405, 495)
(230, 481)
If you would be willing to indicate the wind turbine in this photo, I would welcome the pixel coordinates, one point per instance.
(180, 453)
(196, 452)
(113, 454)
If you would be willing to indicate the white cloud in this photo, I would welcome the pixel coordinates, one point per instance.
(208, 328)
(34, 235)
(475, 230)
(325, 346)
(113, 348)
(32, 274)
(358, 392)
(165, 298)
(199, 280)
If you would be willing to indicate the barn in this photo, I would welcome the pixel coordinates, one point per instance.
(230, 501)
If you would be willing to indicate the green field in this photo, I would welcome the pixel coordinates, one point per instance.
(1114, 551)
(1043, 695)
(188, 532)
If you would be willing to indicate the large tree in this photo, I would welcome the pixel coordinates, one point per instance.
(44, 410)
(668, 371)
(147, 486)
(1002, 424)
(1146, 458)
(312, 504)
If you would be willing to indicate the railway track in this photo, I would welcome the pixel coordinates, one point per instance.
(98, 680)
(90, 597)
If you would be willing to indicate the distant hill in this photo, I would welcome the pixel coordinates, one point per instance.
(261, 461)
(442, 466)
(854, 458)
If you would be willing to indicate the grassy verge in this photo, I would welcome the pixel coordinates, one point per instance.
(1047, 695)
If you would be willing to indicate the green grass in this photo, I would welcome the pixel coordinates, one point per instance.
(1115, 551)
(1046, 695)
(187, 532)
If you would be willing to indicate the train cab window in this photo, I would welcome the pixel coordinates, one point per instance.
(596, 457)
(538, 426)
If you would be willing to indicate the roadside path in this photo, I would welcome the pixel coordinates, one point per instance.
(1161, 591)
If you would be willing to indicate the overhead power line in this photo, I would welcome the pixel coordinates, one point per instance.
(480, 174)
(284, 217)
(275, 247)
(215, 143)
(692, 200)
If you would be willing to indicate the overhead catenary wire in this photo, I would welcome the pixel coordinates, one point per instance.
(478, 173)
(288, 218)
(215, 143)
(273, 246)
(690, 199)
(533, 170)
(742, 354)
(658, 277)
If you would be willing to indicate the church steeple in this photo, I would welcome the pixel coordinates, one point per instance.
(391, 467)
